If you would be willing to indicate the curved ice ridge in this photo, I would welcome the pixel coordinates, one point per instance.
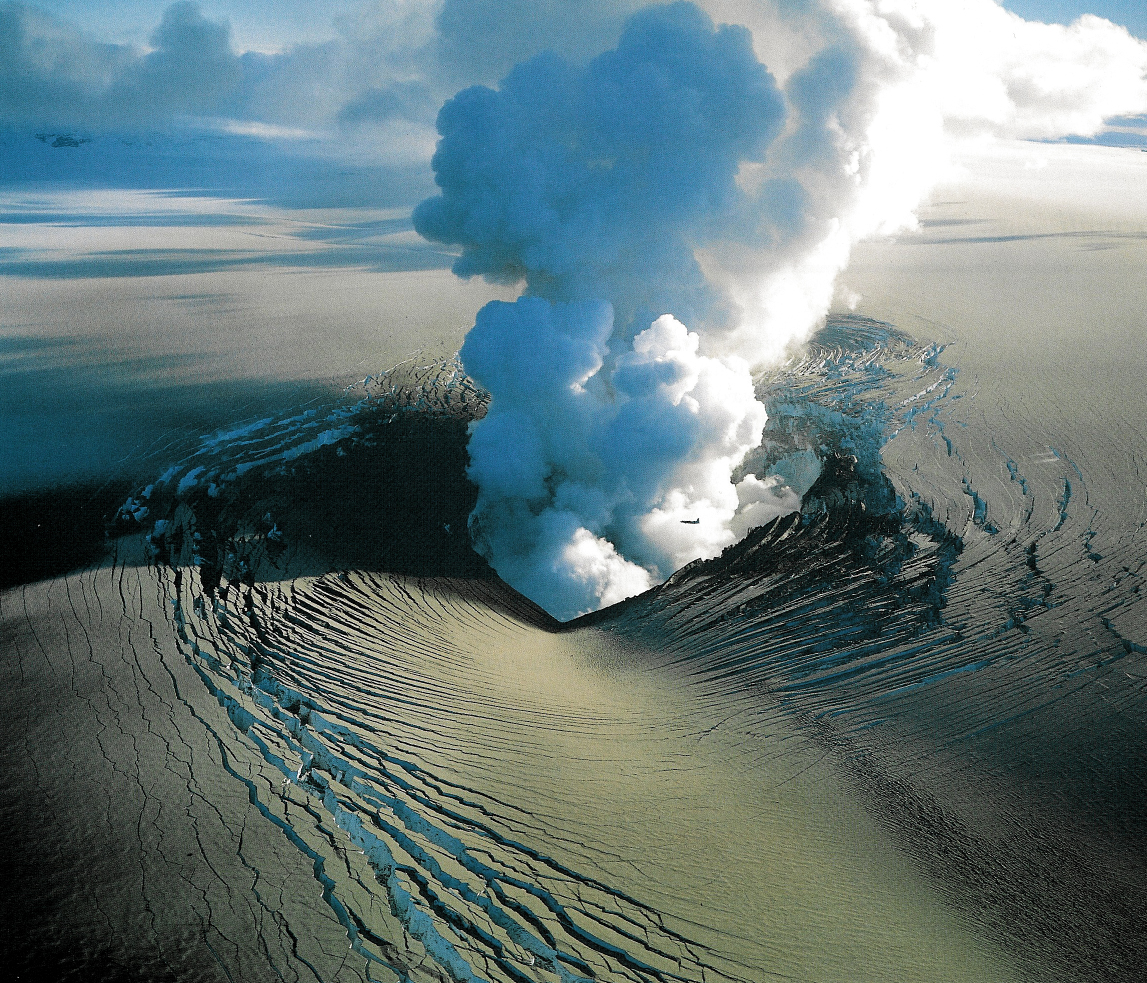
(391, 805)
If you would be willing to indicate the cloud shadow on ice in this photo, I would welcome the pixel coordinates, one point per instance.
(379, 257)
(113, 417)
(291, 174)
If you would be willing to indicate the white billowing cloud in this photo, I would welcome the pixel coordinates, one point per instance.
(760, 500)
(671, 182)
(887, 101)
(603, 180)
(696, 499)
(594, 564)
(605, 460)
(594, 480)
(991, 70)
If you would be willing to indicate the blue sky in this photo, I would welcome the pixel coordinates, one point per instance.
(269, 25)
(260, 25)
(1132, 14)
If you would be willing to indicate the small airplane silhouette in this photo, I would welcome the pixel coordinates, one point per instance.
(691, 522)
